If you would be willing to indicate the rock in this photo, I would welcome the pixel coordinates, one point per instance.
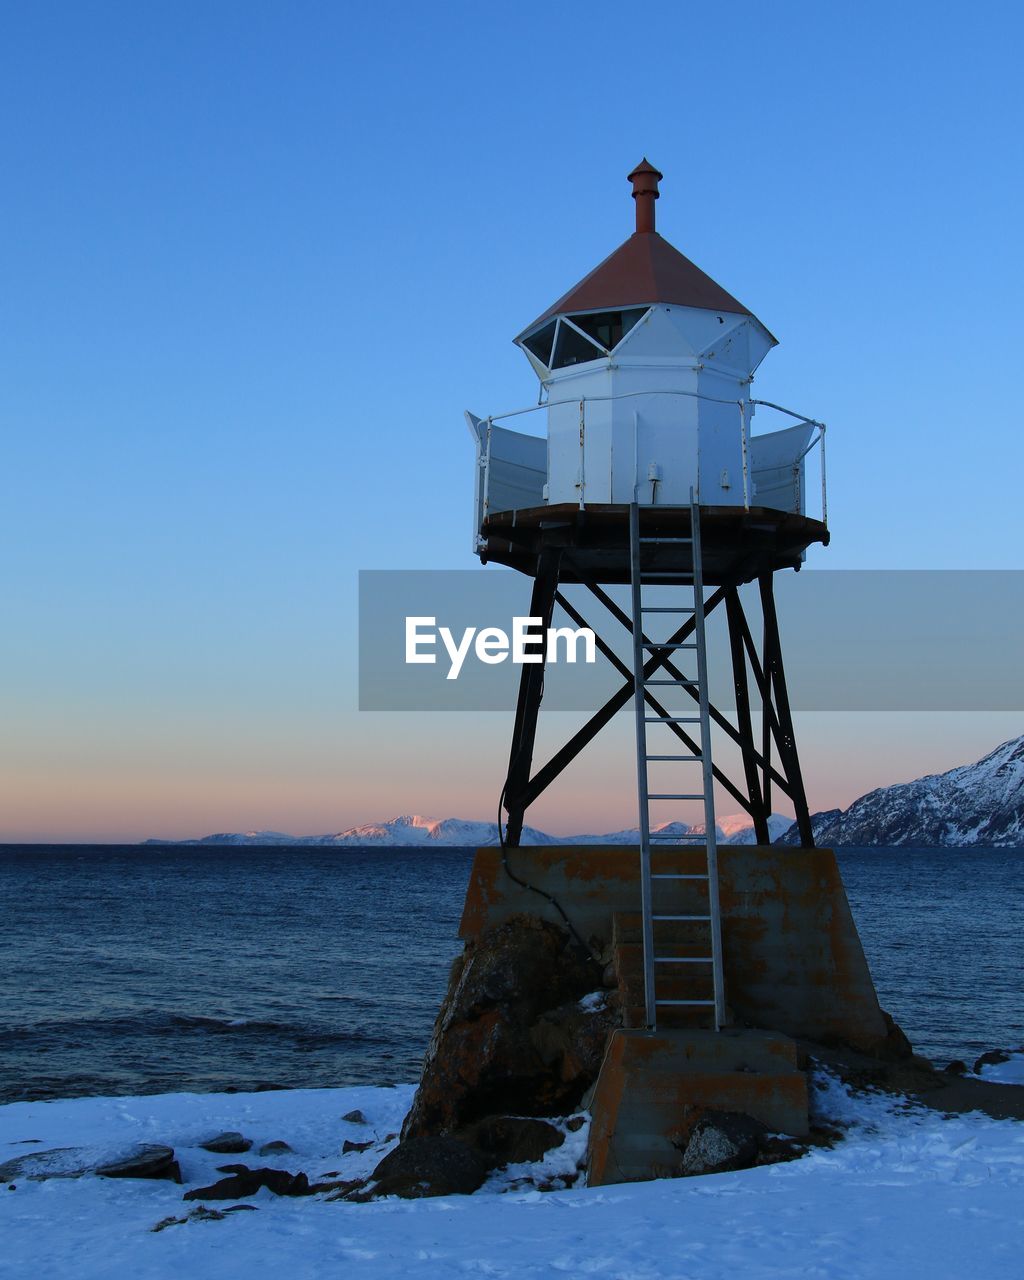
(572, 1039)
(227, 1144)
(431, 1166)
(59, 1162)
(505, 1140)
(992, 1058)
(956, 1068)
(244, 1181)
(575, 1123)
(201, 1214)
(164, 1223)
(895, 1047)
(510, 1035)
(347, 1146)
(274, 1149)
(354, 1117)
(342, 1190)
(144, 1162)
(721, 1142)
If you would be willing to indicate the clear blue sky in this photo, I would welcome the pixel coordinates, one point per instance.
(257, 258)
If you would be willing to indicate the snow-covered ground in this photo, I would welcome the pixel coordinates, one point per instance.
(907, 1193)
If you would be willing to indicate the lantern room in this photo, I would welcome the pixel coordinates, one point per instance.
(645, 369)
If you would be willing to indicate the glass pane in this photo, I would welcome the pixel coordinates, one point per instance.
(572, 348)
(609, 327)
(539, 344)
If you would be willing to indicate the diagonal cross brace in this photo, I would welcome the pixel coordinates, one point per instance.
(544, 776)
(720, 777)
(719, 719)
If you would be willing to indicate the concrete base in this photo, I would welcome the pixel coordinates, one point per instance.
(653, 1086)
(793, 960)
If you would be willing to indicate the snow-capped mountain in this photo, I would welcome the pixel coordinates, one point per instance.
(415, 830)
(974, 804)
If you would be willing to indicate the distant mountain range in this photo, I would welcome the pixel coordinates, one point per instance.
(414, 830)
(974, 804)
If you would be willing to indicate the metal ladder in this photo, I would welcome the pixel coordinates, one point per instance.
(655, 961)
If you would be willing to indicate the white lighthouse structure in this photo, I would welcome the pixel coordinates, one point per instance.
(645, 369)
(661, 354)
(649, 472)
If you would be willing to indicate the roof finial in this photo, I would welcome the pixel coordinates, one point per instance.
(645, 180)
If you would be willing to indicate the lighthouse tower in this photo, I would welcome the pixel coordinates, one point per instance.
(648, 451)
(648, 462)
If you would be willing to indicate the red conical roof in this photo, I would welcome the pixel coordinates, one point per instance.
(643, 270)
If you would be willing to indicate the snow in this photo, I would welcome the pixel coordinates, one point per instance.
(974, 804)
(908, 1192)
(1009, 1072)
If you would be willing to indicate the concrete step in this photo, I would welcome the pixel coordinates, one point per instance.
(627, 927)
(672, 1018)
(653, 1087)
(696, 984)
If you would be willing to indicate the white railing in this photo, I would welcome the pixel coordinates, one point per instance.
(512, 466)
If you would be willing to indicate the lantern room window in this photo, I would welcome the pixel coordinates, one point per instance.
(571, 347)
(540, 343)
(578, 339)
(608, 328)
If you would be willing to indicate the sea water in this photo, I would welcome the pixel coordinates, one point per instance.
(142, 969)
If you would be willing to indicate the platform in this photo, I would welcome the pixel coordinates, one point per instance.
(738, 544)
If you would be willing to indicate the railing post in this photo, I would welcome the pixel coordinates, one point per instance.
(583, 477)
(487, 474)
(746, 465)
(824, 488)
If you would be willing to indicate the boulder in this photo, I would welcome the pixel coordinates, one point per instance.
(895, 1047)
(354, 1117)
(243, 1181)
(956, 1068)
(227, 1144)
(58, 1162)
(721, 1142)
(431, 1166)
(505, 1140)
(993, 1058)
(274, 1148)
(348, 1146)
(572, 1039)
(144, 1162)
(511, 1035)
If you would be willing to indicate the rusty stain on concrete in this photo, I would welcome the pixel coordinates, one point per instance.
(793, 960)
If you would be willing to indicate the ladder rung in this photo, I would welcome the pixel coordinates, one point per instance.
(680, 917)
(667, 573)
(673, 757)
(683, 960)
(671, 875)
(672, 719)
(683, 684)
(704, 1004)
(667, 540)
(661, 644)
(668, 795)
(667, 608)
